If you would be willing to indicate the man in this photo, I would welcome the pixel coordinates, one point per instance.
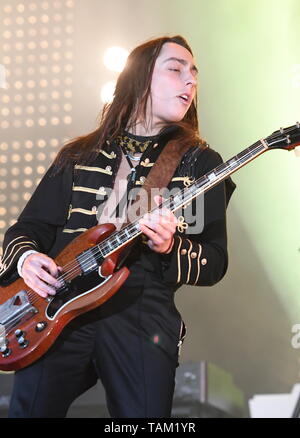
(131, 342)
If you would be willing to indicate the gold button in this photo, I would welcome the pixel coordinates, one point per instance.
(155, 145)
(102, 191)
(183, 252)
(108, 168)
(147, 161)
(94, 209)
(142, 179)
(193, 255)
(203, 262)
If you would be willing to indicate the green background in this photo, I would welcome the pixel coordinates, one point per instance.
(247, 53)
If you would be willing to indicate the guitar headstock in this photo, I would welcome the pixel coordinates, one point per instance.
(285, 138)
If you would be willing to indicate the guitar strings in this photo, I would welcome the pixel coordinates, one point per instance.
(132, 226)
(74, 265)
(71, 267)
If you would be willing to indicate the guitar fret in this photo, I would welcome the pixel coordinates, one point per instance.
(96, 251)
(104, 251)
(211, 176)
(221, 168)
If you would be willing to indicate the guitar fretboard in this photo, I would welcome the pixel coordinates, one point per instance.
(182, 197)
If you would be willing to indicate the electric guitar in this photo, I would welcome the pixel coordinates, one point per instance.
(29, 324)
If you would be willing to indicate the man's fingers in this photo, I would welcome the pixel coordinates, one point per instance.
(43, 275)
(157, 234)
(48, 263)
(39, 286)
(40, 272)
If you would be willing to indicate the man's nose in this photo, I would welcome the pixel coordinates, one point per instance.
(191, 80)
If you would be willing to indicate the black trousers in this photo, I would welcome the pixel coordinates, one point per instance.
(135, 363)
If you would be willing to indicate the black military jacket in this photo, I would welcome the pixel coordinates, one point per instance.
(65, 204)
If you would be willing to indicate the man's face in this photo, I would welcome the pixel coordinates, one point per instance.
(173, 85)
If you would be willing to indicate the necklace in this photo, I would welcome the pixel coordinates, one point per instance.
(133, 158)
(132, 146)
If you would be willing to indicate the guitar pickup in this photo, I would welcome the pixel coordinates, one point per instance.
(88, 261)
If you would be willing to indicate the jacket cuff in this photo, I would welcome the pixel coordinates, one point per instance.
(183, 264)
(13, 251)
(22, 260)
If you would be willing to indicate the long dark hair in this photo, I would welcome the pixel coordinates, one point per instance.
(128, 105)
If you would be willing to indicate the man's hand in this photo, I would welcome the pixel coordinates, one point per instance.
(39, 273)
(160, 227)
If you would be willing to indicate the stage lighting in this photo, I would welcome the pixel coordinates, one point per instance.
(107, 92)
(115, 58)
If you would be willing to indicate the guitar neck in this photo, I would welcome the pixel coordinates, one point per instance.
(215, 176)
(183, 197)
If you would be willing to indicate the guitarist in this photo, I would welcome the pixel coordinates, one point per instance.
(131, 342)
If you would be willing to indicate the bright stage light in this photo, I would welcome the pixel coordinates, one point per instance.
(107, 92)
(115, 58)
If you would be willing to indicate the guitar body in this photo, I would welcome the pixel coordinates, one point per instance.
(30, 324)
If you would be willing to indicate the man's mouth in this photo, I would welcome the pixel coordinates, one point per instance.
(185, 98)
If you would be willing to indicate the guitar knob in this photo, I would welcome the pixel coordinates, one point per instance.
(40, 326)
(19, 333)
(22, 342)
(5, 351)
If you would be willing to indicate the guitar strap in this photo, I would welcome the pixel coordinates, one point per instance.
(158, 178)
